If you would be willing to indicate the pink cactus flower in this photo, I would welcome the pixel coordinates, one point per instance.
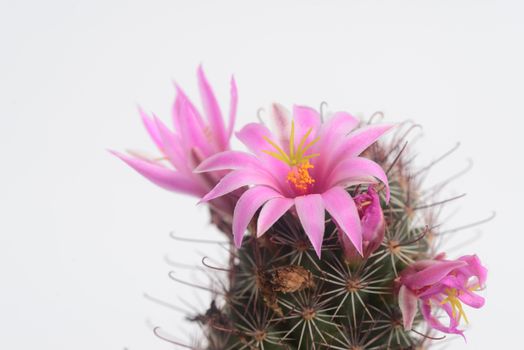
(193, 139)
(372, 223)
(305, 165)
(441, 285)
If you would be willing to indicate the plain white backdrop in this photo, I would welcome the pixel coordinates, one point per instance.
(82, 237)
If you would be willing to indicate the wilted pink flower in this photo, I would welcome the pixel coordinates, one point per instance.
(193, 139)
(305, 164)
(441, 284)
(372, 223)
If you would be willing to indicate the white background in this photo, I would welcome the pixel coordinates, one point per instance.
(82, 237)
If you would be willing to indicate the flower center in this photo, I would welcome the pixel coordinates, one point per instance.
(454, 301)
(296, 158)
(300, 178)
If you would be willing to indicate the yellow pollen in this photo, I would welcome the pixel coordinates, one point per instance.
(300, 177)
(454, 301)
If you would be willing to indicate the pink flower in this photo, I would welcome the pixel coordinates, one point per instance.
(305, 165)
(193, 139)
(372, 223)
(441, 285)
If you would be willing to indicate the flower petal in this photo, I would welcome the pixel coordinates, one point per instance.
(171, 147)
(178, 119)
(212, 110)
(280, 123)
(357, 170)
(228, 160)
(433, 322)
(475, 268)
(189, 125)
(305, 118)
(246, 207)
(344, 211)
(237, 179)
(271, 212)
(340, 123)
(233, 103)
(432, 274)
(471, 299)
(362, 138)
(151, 128)
(310, 210)
(332, 133)
(162, 176)
(252, 136)
(407, 301)
(353, 144)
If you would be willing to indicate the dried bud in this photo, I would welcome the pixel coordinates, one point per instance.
(268, 294)
(292, 278)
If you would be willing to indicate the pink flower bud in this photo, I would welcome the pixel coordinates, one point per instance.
(372, 223)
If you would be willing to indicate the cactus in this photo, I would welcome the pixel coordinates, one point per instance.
(298, 279)
(280, 295)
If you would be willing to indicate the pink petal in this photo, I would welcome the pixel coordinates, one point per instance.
(237, 179)
(407, 301)
(178, 119)
(212, 111)
(190, 127)
(252, 136)
(353, 144)
(246, 207)
(232, 108)
(341, 123)
(228, 160)
(471, 299)
(434, 323)
(432, 274)
(305, 118)
(343, 210)
(475, 268)
(281, 124)
(171, 147)
(163, 177)
(271, 212)
(362, 138)
(310, 210)
(357, 170)
(151, 128)
(332, 134)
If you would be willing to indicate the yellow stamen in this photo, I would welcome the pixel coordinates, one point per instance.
(303, 150)
(303, 139)
(283, 156)
(276, 155)
(297, 155)
(454, 301)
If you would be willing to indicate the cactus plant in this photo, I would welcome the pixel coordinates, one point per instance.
(331, 237)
